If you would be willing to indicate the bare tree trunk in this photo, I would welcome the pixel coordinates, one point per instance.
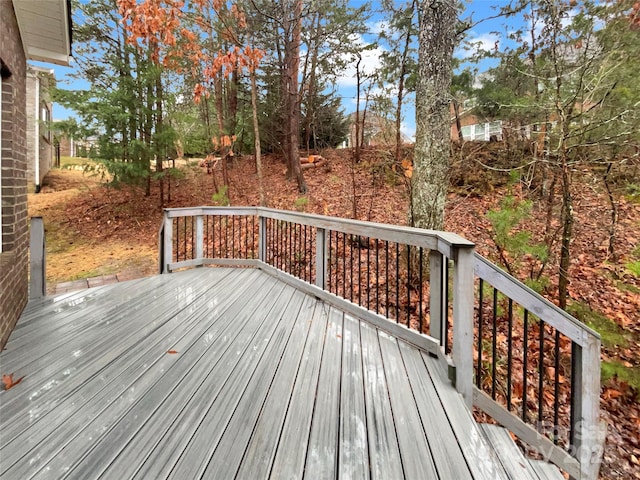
(294, 104)
(567, 233)
(611, 250)
(456, 111)
(430, 178)
(160, 150)
(403, 73)
(357, 122)
(256, 134)
(218, 92)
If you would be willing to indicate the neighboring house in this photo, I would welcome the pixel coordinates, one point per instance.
(39, 137)
(22, 36)
(73, 147)
(473, 126)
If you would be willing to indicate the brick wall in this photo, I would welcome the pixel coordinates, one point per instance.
(15, 237)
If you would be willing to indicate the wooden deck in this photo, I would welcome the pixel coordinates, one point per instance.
(265, 382)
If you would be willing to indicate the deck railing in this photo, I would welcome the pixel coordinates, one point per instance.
(510, 352)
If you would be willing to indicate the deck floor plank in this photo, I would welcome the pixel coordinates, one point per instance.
(383, 443)
(449, 460)
(416, 455)
(353, 446)
(322, 450)
(266, 382)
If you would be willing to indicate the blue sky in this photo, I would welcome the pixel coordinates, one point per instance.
(482, 33)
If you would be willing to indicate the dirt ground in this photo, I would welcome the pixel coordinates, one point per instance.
(71, 256)
(93, 229)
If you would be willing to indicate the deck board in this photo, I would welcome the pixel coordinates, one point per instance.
(322, 450)
(383, 442)
(266, 382)
(416, 456)
(353, 446)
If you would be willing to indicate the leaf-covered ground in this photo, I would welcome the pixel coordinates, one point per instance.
(93, 230)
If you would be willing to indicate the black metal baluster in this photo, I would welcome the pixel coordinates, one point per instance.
(330, 262)
(185, 233)
(509, 352)
(572, 386)
(480, 302)
(359, 253)
(541, 374)
(351, 275)
(233, 236)
(290, 248)
(279, 243)
(344, 266)
(386, 281)
(494, 347)
(243, 238)
(205, 238)
(177, 230)
(368, 275)
(408, 286)
(213, 240)
(525, 364)
(397, 282)
(556, 388)
(275, 245)
(420, 290)
(307, 260)
(226, 237)
(377, 276)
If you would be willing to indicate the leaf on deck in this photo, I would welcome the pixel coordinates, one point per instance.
(8, 381)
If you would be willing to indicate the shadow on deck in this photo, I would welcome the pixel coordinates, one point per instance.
(225, 373)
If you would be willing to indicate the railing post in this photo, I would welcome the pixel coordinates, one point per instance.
(262, 238)
(168, 242)
(436, 301)
(37, 280)
(588, 435)
(463, 277)
(199, 237)
(321, 257)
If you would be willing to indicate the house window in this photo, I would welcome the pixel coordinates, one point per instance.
(45, 122)
(467, 132)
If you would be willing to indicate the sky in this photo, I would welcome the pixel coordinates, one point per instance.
(483, 33)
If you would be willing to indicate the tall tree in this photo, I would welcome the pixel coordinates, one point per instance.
(430, 180)
(118, 109)
(398, 62)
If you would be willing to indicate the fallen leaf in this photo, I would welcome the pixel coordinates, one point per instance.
(172, 352)
(8, 382)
